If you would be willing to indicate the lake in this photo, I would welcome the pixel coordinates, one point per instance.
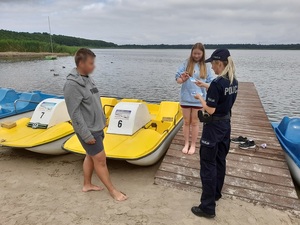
(149, 75)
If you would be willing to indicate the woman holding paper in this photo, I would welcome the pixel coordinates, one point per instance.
(192, 70)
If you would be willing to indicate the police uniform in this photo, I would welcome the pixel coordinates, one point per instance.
(215, 143)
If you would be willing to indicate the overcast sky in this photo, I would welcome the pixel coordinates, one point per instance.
(159, 21)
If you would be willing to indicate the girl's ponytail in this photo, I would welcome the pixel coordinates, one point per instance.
(229, 69)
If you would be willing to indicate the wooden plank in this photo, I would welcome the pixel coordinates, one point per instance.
(236, 157)
(261, 137)
(260, 168)
(175, 177)
(232, 181)
(174, 184)
(271, 148)
(279, 156)
(267, 151)
(267, 178)
(245, 132)
(265, 198)
(192, 168)
(255, 175)
(250, 130)
(257, 160)
(278, 202)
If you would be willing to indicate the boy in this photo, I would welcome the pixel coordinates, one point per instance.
(84, 106)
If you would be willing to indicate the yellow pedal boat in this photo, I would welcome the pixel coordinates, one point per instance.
(45, 132)
(137, 132)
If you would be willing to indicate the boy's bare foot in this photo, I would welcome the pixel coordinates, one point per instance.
(192, 150)
(118, 196)
(91, 187)
(185, 149)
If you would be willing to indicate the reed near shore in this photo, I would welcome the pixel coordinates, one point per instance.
(16, 55)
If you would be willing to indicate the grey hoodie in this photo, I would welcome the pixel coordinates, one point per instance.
(84, 105)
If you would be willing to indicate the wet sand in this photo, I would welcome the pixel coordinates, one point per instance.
(9, 55)
(40, 189)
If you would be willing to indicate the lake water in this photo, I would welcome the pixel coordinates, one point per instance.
(149, 75)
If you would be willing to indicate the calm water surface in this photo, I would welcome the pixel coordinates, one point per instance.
(149, 75)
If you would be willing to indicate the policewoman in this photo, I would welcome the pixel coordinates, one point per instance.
(215, 140)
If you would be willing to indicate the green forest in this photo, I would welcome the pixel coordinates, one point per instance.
(40, 42)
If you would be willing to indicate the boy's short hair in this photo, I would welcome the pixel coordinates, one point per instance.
(82, 54)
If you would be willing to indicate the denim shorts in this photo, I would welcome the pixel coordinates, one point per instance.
(96, 148)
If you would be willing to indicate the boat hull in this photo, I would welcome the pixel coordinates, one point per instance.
(52, 148)
(156, 155)
(294, 169)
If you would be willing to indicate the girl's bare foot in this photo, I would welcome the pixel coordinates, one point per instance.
(185, 149)
(118, 196)
(192, 150)
(91, 187)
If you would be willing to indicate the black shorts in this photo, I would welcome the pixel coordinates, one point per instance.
(94, 149)
(191, 107)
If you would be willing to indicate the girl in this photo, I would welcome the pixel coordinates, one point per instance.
(215, 140)
(192, 70)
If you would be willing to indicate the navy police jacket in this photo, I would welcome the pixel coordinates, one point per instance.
(222, 95)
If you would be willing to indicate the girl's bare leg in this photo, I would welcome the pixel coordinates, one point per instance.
(186, 128)
(195, 130)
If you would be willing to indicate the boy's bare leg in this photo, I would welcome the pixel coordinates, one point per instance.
(103, 174)
(88, 167)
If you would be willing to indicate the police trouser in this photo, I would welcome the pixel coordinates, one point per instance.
(215, 143)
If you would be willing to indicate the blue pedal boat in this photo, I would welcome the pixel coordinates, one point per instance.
(288, 134)
(13, 103)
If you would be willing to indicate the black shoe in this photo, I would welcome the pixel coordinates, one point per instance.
(248, 144)
(218, 198)
(239, 140)
(198, 212)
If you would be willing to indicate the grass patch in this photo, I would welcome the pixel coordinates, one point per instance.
(33, 46)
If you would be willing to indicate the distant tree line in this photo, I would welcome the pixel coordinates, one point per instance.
(8, 45)
(57, 39)
(215, 46)
(37, 42)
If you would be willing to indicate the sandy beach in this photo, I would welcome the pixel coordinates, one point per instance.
(41, 189)
(8, 55)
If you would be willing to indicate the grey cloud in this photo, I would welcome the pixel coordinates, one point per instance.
(168, 21)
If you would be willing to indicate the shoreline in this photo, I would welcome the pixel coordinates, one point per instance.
(16, 55)
(43, 189)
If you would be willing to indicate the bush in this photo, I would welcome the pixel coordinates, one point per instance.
(33, 46)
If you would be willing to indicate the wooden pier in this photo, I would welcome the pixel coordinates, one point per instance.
(260, 175)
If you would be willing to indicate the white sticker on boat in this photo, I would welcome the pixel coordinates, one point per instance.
(47, 106)
(122, 114)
